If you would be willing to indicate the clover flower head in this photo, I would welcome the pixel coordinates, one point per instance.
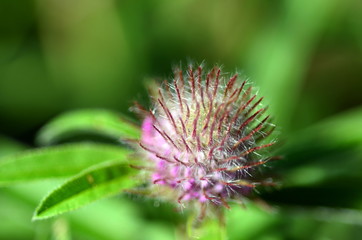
(205, 137)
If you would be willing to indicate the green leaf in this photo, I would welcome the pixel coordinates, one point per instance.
(99, 181)
(101, 122)
(338, 135)
(341, 130)
(9, 146)
(53, 162)
(99, 220)
(321, 161)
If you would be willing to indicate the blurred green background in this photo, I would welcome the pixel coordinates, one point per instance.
(306, 57)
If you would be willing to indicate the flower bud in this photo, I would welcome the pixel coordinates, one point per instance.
(205, 137)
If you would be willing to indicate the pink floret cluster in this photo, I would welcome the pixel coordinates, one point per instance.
(193, 180)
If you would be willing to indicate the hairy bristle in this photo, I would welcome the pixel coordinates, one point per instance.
(206, 136)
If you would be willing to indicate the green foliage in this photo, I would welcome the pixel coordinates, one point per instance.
(111, 218)
(338, 131)
(320, 149)
(97, 182)
(55, 162)
(8, 146)
(212, 228)
(321, 161)
(283, 56)
(100, 122)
